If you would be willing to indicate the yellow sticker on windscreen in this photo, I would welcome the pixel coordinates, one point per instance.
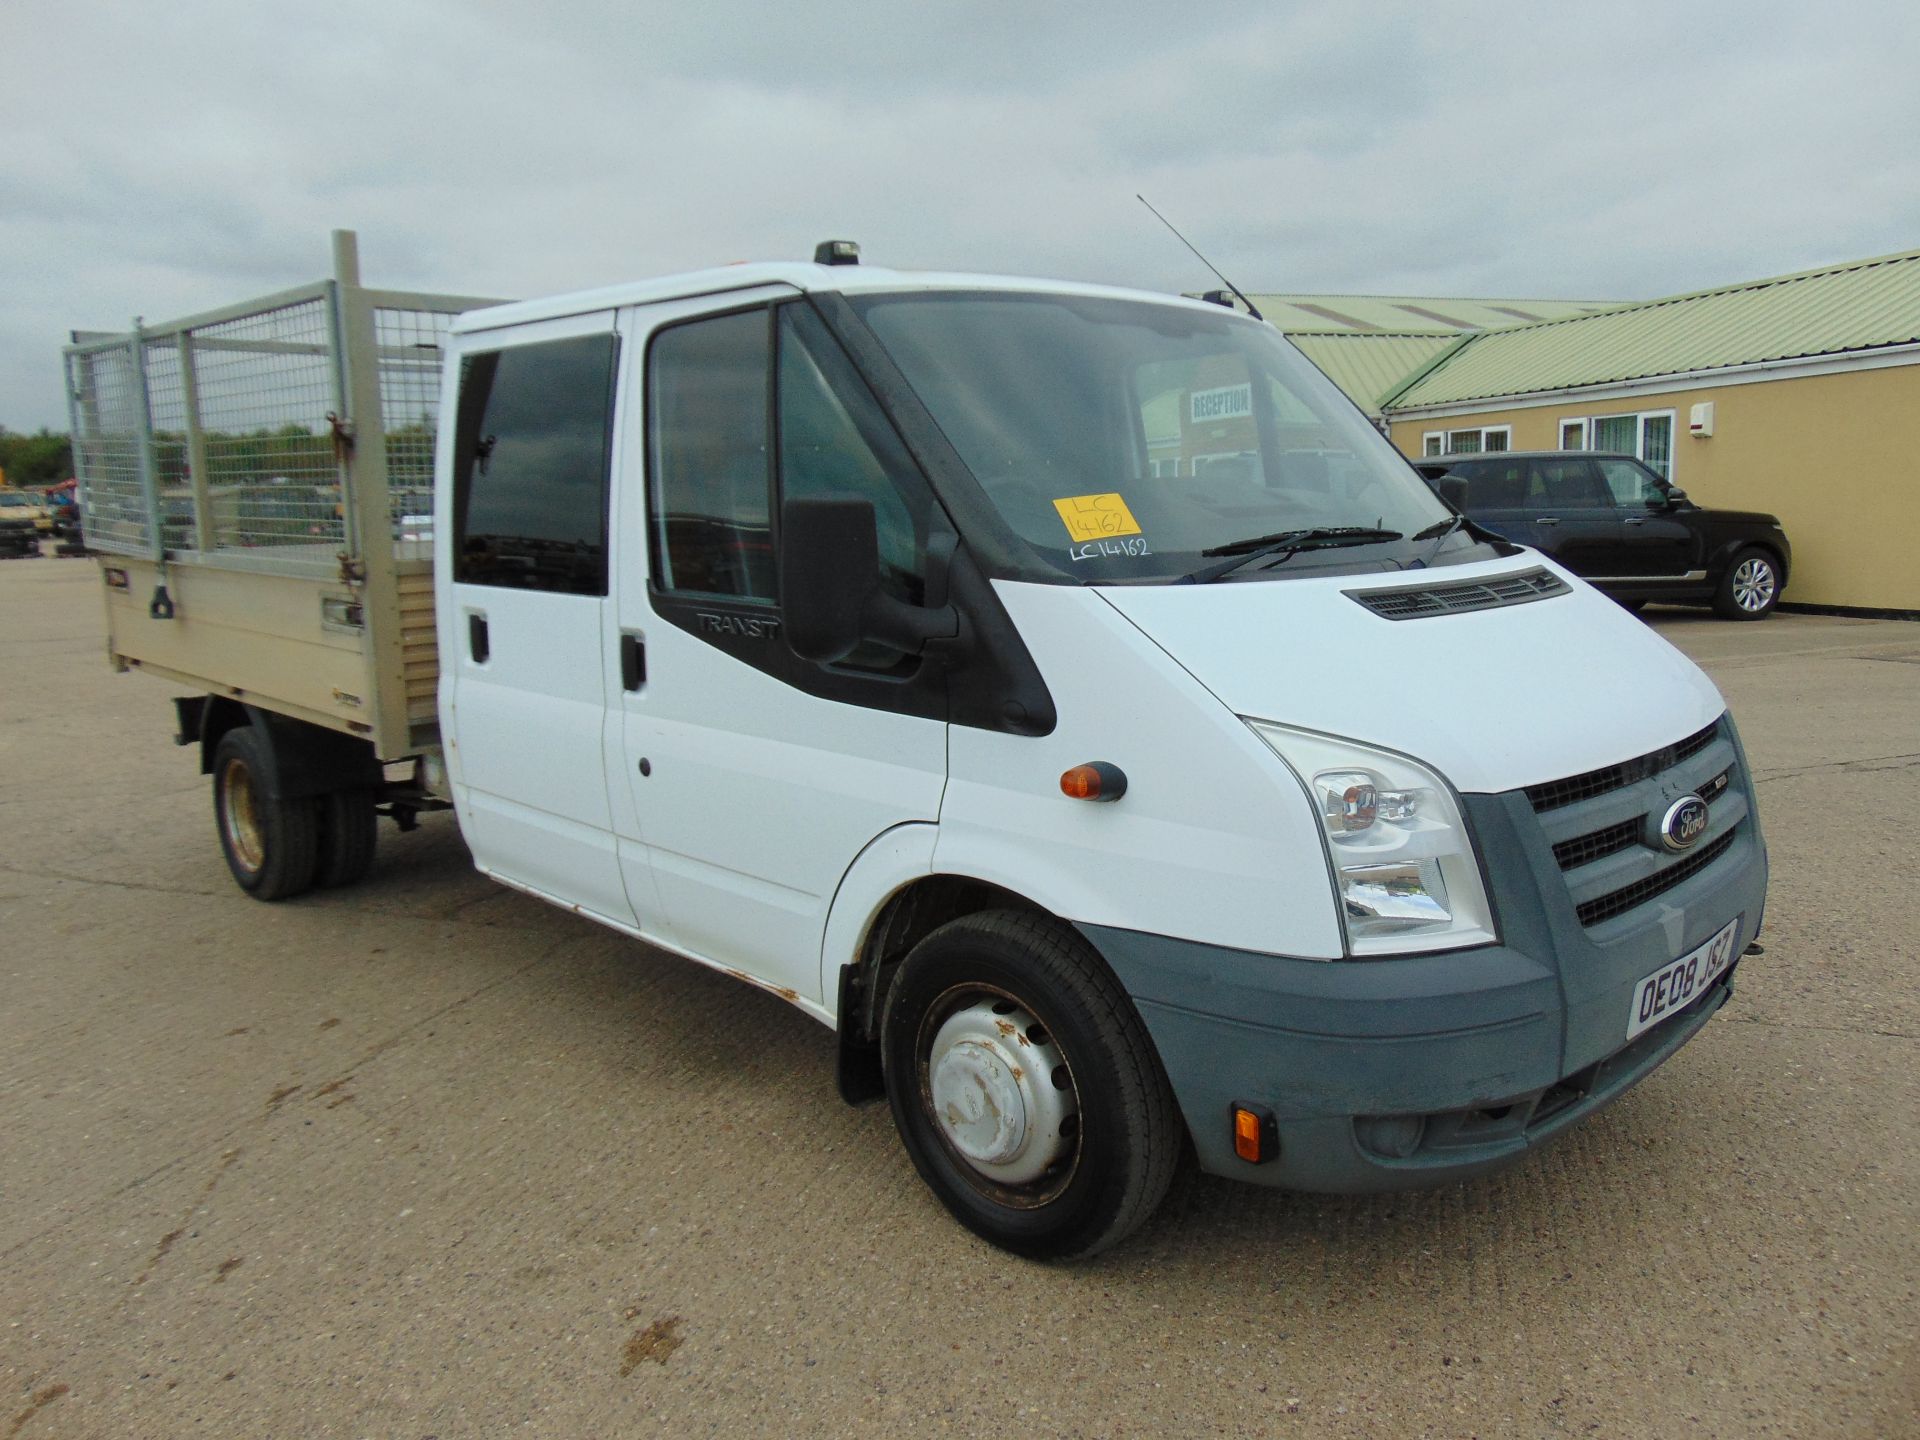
(1096, 517)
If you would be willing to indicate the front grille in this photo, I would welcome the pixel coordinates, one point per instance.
(1555, 793)
(1417, 602)
(1611, 839)
(1618, 902)
(1585, 849)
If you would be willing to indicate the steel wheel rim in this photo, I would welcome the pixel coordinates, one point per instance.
(240, 816)
(977, 1047)
(1753, 585)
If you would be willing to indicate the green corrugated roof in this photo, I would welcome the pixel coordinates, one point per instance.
(1859, 306)
(1411, 314)
(1368, 365)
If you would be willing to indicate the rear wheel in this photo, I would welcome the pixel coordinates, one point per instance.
(270, 844)
(348, 832)
(1025, 1088)
(1750, 588)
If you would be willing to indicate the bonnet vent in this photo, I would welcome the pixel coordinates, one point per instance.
(1417, 602)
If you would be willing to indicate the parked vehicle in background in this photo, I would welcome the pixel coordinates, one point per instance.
(23, 520)
(876, 639)
(1617, 525)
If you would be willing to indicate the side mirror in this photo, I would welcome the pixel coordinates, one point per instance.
(1453, 490)
(830, 593)
(1676, 497)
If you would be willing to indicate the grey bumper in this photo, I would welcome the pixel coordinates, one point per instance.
(1396, 1073)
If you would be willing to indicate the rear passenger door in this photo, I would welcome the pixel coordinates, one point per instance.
(523, 632)
(1571, 514)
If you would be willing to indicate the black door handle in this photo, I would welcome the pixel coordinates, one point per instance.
(477, 638)
(633, 661)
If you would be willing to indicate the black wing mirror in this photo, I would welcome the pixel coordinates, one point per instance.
(830, 592)
(1676, 497)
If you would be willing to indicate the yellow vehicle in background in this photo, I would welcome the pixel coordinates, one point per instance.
(24, 518)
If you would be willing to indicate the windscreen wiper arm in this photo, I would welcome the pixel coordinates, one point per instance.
(1438, 533)
(1283, 545)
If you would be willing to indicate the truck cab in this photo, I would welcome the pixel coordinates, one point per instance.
(1065, 694)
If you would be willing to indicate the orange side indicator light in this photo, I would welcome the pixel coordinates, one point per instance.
(1256, 1138)
(1095, 780)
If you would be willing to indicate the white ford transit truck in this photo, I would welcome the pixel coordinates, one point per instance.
(1061, 692)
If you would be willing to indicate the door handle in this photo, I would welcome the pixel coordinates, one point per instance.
(477, 640)
(1546, 519)
(633, 661)
(1635, 520)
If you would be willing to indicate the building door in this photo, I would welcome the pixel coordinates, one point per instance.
(757, 777)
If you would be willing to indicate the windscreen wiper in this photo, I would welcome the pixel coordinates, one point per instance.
(1284, 545)
(1438, 533)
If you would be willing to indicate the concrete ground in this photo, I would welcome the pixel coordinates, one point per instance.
(428, 1159)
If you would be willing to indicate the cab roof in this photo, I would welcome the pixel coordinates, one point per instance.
(799, 277)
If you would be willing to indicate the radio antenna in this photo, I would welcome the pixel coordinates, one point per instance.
(1203, 259)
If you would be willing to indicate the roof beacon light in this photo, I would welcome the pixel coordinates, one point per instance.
(837, 252)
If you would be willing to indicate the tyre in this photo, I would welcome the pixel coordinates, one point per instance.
(270, 844)
(1750, 588)
(348, 833)
(1025, 1088)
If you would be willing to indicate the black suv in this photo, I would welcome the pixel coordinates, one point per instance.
(1615, 523)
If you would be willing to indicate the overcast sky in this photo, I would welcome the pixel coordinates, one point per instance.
(162, 158)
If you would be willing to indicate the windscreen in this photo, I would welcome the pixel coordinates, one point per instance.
(1123, 440)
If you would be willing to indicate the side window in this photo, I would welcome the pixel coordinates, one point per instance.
(834, 441)
(1495, 486)
(1566, 485)
(530, 466)
(1631, 487)
(709, 492)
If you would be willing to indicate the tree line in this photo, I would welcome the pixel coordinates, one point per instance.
(34, 461)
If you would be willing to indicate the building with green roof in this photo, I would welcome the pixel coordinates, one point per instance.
(1798, 395)
(1369, 344)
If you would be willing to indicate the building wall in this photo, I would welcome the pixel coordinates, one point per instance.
(1835, 456)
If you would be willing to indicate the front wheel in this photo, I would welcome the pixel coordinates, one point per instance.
(270, 844)
(1750, 588)
(1025, 1088)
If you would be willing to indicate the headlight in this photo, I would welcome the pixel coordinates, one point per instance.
(1402, 859)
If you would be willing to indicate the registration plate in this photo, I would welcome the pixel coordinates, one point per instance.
(1673, 987)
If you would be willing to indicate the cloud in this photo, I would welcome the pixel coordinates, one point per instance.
(161, 160)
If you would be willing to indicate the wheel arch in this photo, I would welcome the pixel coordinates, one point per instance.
(861, 973)
(301, 759)
(1729, 549)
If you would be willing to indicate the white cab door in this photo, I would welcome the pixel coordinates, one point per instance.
(757, 777)
(525, 634)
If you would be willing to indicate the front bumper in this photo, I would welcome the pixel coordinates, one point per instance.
(1397, 1073)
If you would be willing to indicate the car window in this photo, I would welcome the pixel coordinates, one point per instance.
(1494, 486)
(1631, 487)
(531, 464)
(1566, 485)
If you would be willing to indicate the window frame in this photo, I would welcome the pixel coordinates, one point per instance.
(1444, 439)
(1639, 452)
(1567, 423)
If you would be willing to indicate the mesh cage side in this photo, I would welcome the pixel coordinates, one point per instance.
(107, 425)
(265, 384)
